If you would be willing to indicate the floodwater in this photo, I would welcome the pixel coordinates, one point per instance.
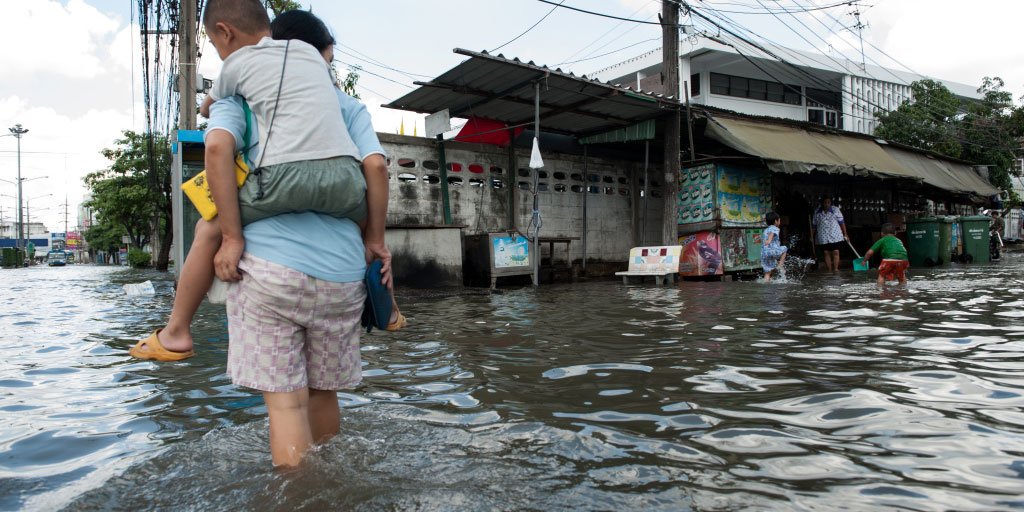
(820, 393)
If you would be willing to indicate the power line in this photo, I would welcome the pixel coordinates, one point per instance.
(363, 70)
(616, 26)
(779, 11)
(812, 78)
(927, 108)
(531, 27)
(366, 58)
(600, 14)
(611, 52)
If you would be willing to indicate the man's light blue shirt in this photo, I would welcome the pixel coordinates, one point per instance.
(318, 245)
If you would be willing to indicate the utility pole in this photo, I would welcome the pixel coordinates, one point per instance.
(18, 131)
(187, 64)
(670, 81)
(65, 205)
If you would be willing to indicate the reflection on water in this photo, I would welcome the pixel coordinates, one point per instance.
(812, 393)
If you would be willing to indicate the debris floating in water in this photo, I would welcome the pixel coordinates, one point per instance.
(143, 288)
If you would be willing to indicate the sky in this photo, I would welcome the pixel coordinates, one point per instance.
(71, 69)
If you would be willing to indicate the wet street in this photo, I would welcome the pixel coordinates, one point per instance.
(820, 393)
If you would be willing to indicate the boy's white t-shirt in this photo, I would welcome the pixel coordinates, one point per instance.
(308, 125)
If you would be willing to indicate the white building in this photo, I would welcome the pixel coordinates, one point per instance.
(9, 229)
(830, 90)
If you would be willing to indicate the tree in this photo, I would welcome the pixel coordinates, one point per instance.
(134, 193)
(279, 6)
(980, 131)
(927, 121)
(104, 236)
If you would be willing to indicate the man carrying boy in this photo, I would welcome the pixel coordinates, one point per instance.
(293, 330)
(894, 256)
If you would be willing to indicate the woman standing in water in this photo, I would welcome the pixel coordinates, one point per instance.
(773, 253)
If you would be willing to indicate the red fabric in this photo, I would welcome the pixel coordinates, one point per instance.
(477, 125)
(893, 270)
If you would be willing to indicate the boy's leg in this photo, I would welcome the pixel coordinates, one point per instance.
(196, 276)
(290, 436)
(324, 415)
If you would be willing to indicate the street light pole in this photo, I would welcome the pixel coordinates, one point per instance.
(18, 131)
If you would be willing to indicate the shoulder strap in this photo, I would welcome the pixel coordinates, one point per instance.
(247, 137)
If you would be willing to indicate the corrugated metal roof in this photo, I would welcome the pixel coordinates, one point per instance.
(502, 89)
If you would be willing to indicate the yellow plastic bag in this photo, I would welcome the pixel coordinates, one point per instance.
(198, 190)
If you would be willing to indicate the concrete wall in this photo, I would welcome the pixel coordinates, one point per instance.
(481, 202)
(426, 257)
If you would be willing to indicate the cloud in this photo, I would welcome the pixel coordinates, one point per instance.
(45, 36)
(61, 147)
(946, 39)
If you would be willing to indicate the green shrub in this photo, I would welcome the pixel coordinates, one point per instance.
(138, 258)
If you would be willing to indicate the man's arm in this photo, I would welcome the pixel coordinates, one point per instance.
(220, 173)
(376, 172)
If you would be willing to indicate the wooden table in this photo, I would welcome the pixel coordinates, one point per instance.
(551, 241)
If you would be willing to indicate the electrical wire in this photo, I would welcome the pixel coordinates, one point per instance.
(531, 27)
(611, 52)
(600, 14)
(814, 78)
(364, 70)
(616, 26)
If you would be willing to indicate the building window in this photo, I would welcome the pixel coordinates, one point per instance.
(740, 87)
(695, 85)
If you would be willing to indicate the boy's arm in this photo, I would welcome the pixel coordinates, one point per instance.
(867, 255)
(220, 173)
(204, 109)
(376, 172)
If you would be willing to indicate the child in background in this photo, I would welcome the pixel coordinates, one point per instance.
(773, 253)
(894, 256)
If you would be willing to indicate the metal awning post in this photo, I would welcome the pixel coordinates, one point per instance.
(585, 194)
(444, 180)
(536, 184)
(647, 192)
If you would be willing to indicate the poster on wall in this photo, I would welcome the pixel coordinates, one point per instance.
(741, 249)
(511, 252)
(744, 195)
(695, 200)
(701, 255)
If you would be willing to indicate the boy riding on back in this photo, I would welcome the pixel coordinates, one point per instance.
(894, 256)
(300, 111)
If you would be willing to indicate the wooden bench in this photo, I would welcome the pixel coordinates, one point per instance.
(660, 262)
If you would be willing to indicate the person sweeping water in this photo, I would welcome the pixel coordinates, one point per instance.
(773, 253)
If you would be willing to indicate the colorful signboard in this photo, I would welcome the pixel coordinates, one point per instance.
(510, 252)
(744, 195)
(74, 241)
(694, 202)
(701, 254)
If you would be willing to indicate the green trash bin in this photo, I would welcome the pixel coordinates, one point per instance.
(974, 232)
(946, 250)
(923, 242)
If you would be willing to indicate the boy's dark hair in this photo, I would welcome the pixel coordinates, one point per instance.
(888, 228)
(249, 16)
(303, 26)
(770, 218)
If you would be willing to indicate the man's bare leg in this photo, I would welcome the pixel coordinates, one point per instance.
(290, 436)
(196, 277)
(324, 415)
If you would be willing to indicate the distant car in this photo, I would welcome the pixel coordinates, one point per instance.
(70, 257)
